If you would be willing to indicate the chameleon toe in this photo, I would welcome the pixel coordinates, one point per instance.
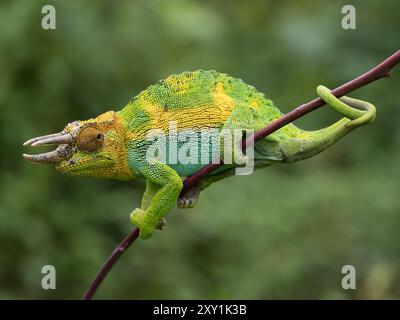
(189, 198)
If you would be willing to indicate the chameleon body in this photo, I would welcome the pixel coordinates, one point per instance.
(115, 144)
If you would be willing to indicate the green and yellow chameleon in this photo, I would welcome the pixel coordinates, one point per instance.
(115, 144)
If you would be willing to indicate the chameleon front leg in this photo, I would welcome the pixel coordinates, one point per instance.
(150, 191)
(162, 191)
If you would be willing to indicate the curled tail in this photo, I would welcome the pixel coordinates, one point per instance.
(359, 111)
(292, 144)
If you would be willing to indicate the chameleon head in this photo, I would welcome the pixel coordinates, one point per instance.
(94, 148)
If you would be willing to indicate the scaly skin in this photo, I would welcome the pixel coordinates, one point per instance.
(193, 101)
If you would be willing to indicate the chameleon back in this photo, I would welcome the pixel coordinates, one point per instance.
(195, 101)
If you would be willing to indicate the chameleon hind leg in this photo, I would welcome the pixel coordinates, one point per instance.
(162, 190)
(241, 119)
(190, 197)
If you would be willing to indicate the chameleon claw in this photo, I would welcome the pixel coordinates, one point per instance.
(161, 224)
(189, 198)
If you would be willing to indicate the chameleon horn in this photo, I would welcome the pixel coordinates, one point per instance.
(60, 138)
(48, 157)
(33, 140)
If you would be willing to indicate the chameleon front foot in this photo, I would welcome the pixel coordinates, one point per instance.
(189, 198)
(144, 222)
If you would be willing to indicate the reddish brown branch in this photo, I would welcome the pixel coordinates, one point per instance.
(109, 263)
(380, 71)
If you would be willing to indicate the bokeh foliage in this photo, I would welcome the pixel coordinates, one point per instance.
(283, 232)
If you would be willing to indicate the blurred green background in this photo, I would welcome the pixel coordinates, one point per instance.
(283, 232)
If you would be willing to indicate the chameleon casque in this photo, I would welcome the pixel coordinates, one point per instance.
(114, 144)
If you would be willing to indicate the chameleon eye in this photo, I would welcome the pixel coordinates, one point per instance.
(89, 139)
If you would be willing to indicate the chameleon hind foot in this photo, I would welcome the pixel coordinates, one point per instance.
(189, 198)
(235, 156)
(161, 224)
(144, 222)
(239, 158)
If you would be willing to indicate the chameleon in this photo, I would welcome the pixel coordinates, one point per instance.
(115, 145)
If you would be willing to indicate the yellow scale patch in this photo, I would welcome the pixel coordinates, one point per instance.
(255, 105)
(203, 116)
(178, 82)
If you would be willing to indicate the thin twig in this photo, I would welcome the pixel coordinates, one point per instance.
(109, 263)
(382, 70)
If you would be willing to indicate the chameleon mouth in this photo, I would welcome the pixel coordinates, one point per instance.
(64, 150)
(73, 166)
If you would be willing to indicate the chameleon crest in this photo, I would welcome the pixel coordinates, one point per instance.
(116, 145)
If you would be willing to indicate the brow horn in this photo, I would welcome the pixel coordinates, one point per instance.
(58, 139)
(55, 138)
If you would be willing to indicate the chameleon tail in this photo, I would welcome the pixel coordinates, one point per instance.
(305, 144)
(361, 112)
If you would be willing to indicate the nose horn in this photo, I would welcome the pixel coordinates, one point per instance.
(48, 157)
